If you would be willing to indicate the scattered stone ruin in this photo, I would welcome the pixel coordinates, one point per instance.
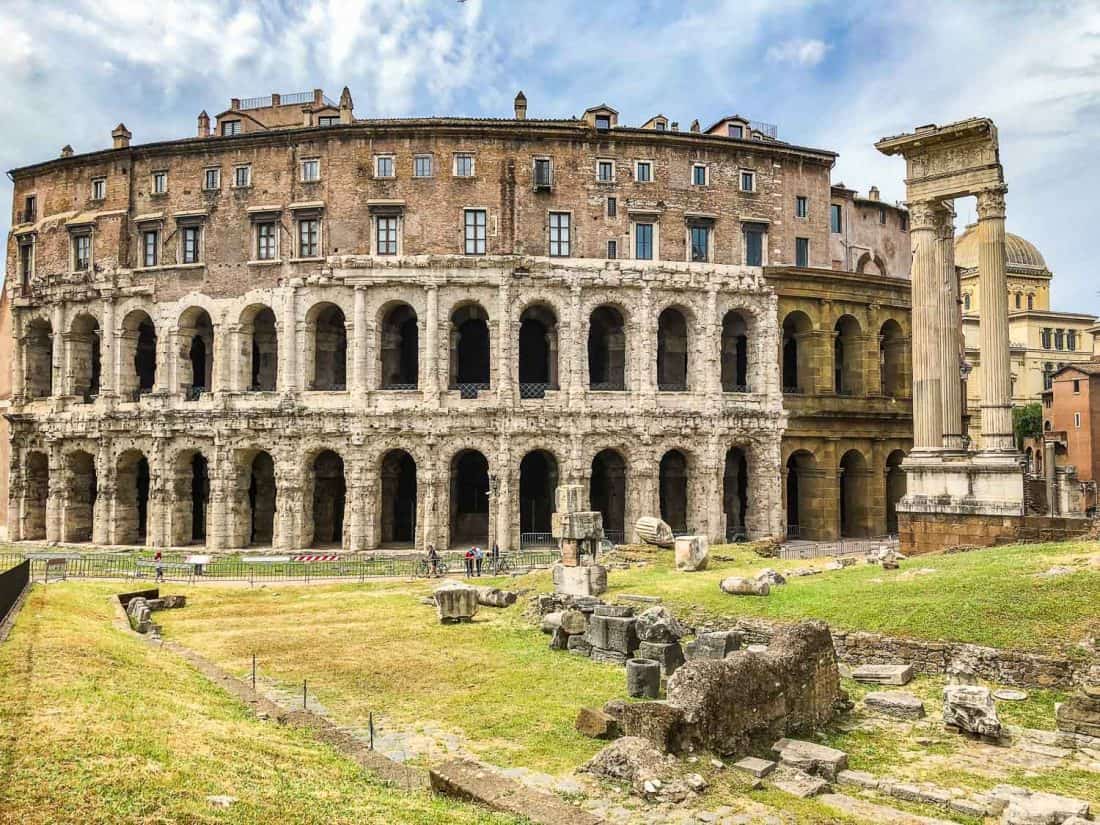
(579, 533)
(139, 608)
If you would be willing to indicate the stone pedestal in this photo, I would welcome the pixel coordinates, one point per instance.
(586, 580)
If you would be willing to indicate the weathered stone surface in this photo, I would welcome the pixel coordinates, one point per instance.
(570, 498)
(1025, 807)
(629, 759)
(811, 757)
(659, 723)
(970, 708)
(613, 633)
(739, 586)
(755, 766)
(495, 597)
(653, 531)
(559, 639)
(579, 644)
(584, 580)
(618, 611)
(608, 657)
(455, 602)
(597, 724)
(1080, 713)
(860, 779)
(643, 678)
(669, 655)
(573, 621)
(895, 703)
(692, 553)
(772, 577)
(550, 622)
(798, 783)
(577, 526)
(657, 624)
(716, 644)
(883, 674)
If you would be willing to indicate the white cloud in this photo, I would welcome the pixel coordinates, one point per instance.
(798, 52)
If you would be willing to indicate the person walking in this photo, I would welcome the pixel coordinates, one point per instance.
(479, 556)
(433, 561)
(469, 562)
(158, 558)
(494, 558)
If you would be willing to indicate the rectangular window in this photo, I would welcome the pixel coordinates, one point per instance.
(1077, 420)
(737, 131)
(328, 120)
(802, 252)
(160, 183)
(385, 235)
(242, 177)
(801, 207)
(748, 181)
(309, 230)
(605, 171)
(82, 252)
(542, 173)
(265, 241)
(754, 246)
(903, 221)
(603, 121)
(212, 180)
(612, 207)
(835, 224)
(475, 231)
(1071, 338)
(422, 166)
(559, 234)
(99, 189)
(882, 216)
(700, 243)
(1059, 339)
(464, 165)
(26, 263)
(1045, 334)
(698, 175)
(311, 170)
(643, 171)
(30, 209)
(643, 241)
(231, 127)
(383, 166)
(150, 242)
(612, 250)
(1076, 387)
(190, 243)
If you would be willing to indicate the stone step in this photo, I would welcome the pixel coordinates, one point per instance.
(873, 812)
(811, 757)
(883, 674)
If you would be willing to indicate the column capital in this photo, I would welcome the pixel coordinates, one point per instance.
(991, 203)
(924, 215)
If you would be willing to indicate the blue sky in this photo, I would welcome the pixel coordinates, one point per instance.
(832, 75)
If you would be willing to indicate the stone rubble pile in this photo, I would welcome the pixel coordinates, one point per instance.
(139, 610)
(970, 709)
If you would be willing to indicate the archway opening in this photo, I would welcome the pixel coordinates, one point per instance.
(400, 350)
(39, 357)
(606, 350)
(261, 343)
(538, 351)
(891, 352)
(200, 497)
(82, 490)
(895, 489)
(329, 499)
(85, 357)
(538, 479)
(735, 353)
(36, 492)
(132, 498)
(735, 493)
(847, 375)
(469, 498)
(854, 495)
(330, 349)
(673, 490)
(398, 498)
(261, 499)
(672, 351)
(197, 331)
(470, 367)
(799, 494)
(797, 354)
(607, 493)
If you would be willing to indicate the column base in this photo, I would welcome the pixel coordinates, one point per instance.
(957, 482)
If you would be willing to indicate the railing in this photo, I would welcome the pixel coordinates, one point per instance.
(607, 386)
(735, 535)
(315, 387)
(194, 393)
(847, 391)
(737, 388)
(536, 540)
(533, 389)
(135, 395)
(682, 531)
(264, 101)
(793, 391)
(260, 388)
(794, 531)
(769, 129)
(615, 536)
(672, 386)
(401, 387)
(470, 389)
(842, 547)
(88, 397)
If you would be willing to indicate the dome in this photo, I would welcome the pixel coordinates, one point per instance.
(1019, 253)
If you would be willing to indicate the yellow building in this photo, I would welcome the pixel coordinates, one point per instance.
(1041, 340)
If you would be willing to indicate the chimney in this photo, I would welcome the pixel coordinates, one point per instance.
(695, 125)
(204, 124)
(276, 100)
(318, 97)
(873, 193)
(235, 104)
(520, 104)
(347, 106)
(66, 151)
(675, 126)
(121, 136)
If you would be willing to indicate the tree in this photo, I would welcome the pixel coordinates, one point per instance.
(1027, 422)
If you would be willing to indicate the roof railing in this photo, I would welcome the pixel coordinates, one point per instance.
(769, 129)
(294, 98)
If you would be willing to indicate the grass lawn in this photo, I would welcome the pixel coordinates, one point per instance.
(96, 726)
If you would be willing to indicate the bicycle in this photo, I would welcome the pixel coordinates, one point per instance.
(424, 568)
(503, 564)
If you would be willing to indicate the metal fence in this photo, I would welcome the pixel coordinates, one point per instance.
(12, 584)
(142, 566)
(843, 547)
(536, 540)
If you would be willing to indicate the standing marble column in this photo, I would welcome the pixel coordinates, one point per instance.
(288, 370)
(993, 332)
(429, 372)
(927, 339)
(108, 382)
(951, 325)
(505, 370)
(361, 344)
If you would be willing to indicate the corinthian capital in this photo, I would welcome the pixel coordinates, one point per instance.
(924, 214)
(991, 203)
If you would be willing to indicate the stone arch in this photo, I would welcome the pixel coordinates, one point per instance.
(81, 494)
(735, 352)
(895, 489)
(132, 485)
(259, 348)
(255, 499)
(538, 350)
(803, 505)
(868, 259)
(196, 335)
(854, 495)
(190, 497)
(85, 344)
(138, 355)
(36, 494)
(735, 493)
(38, 345)
(327, 340)
(328, 499)
(469, 496)
(798, 355)
(399, 348)
(607, 492)
(607, 353)
(673, 347)
(673, 487)
(399, 498)
(847, 356)
(470, 354)
(538, 479)
(892, 351)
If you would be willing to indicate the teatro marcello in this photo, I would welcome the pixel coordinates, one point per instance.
(302, 329)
